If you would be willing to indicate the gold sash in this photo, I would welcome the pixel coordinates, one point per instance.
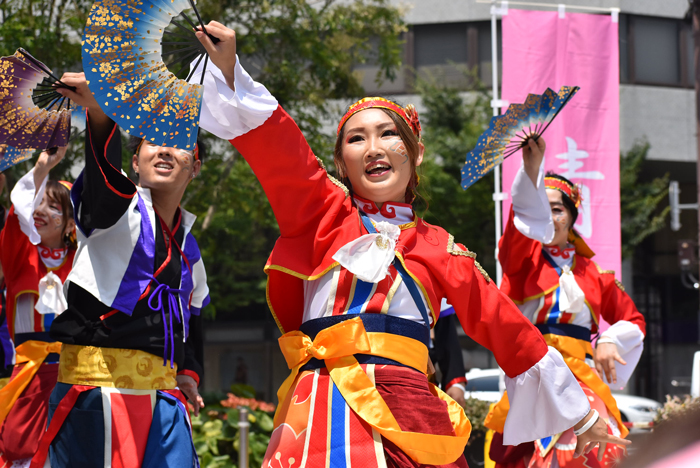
(114, 367)
(336, 346)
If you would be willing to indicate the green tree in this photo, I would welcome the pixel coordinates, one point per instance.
(304, 52)
(639, 201)
(452, 123)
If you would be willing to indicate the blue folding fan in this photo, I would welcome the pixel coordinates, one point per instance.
(509, 132)
(123, 63)
(9, 156)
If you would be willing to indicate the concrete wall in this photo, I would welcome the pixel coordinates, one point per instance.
(664, 116)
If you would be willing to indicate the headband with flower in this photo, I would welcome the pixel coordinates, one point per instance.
(570, 190)
(409, 113)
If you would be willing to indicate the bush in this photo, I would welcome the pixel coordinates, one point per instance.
(216, 437)
(676, 407)
(476, 410)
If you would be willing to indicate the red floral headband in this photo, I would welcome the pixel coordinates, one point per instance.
(409, 113)
(570, 190)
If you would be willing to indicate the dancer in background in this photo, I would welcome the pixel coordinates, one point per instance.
(132, 337)
(37, 246)
(548, 272)
(356, 280)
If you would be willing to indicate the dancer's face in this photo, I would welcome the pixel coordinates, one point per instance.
(164, 168)
(376, 160)
(50, 222)
(561, 216)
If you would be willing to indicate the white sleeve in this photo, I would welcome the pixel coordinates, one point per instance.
(629, 340)
(26, 199)
(533, 217)
(544, 400)
(228, 114)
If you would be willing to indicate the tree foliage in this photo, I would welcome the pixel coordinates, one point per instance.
(452, 123)
(639, 201)
(304, 52)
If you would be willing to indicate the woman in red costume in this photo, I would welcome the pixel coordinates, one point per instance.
(37, 246)
(356, 280)
(549, 274)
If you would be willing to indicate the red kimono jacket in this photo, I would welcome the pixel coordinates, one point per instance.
(528, 275)
(316, 217)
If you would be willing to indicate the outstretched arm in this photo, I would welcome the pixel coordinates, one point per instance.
(238, 109)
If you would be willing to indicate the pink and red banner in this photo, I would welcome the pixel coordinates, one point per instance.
(544, 49)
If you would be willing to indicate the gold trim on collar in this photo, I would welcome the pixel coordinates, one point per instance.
(410, 225)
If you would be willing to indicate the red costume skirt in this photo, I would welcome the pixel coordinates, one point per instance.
(320, 430)
(26, 421)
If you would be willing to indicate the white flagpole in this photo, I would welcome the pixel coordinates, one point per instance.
(496, 104)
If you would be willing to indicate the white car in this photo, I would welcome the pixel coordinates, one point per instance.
(637, 412)
(484, 384)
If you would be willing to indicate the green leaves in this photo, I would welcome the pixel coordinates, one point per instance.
(639, 202)
(452, 123)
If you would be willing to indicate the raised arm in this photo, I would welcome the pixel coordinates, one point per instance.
(238, 109)
(530, 222)
(104, 191)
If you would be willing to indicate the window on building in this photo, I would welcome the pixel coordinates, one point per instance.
(655, 51)
(448, 53)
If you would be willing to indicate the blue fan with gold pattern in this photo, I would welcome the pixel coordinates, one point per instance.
(509, 132)
(9, 156)
(124, 66)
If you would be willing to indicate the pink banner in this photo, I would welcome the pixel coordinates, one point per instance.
(541, 50)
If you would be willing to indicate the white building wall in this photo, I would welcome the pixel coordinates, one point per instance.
(665, 117)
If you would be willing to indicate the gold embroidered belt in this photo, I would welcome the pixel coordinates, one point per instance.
(114, 367)
(336, 346)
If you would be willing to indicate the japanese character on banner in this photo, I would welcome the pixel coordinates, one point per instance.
(573, 162)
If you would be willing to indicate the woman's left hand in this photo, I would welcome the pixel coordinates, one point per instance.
(188, 386)
(605, 356)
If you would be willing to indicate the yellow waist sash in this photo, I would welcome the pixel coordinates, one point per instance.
(336, 346)
(574, 353)
(114, 367)
(33, 353)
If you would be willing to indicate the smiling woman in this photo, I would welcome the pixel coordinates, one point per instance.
(37, 246)
(355, 282)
